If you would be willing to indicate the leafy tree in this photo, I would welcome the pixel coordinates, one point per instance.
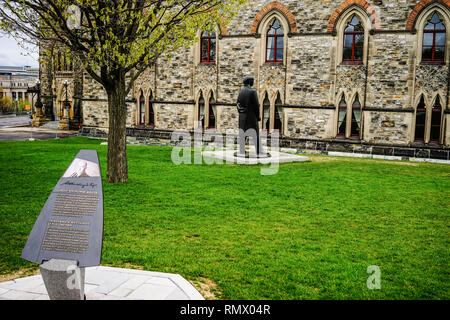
(115, 40)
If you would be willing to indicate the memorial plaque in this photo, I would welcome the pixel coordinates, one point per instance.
(70, 226)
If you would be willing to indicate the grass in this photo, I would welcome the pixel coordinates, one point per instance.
(309, 232)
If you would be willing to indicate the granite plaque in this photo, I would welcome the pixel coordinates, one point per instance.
(70, 226)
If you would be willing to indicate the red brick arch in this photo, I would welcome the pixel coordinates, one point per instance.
(419, 8)
(275, 6)
(374, 18)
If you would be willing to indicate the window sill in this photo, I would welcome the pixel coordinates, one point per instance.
(204, 63)
(430, 63)
(349, 63)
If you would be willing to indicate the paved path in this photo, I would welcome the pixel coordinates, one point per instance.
(14, 121)
(107, 283)
(25, 133)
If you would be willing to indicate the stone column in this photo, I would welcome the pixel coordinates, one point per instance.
(63, 279)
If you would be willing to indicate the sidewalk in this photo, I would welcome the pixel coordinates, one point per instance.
(107, 283)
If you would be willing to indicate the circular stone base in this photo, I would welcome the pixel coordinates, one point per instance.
(252, 156)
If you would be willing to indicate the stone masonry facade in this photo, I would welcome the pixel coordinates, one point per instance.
(311, 80)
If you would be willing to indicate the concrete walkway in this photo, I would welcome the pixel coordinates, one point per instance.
(107, 283)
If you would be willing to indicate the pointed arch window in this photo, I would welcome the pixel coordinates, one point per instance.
(142, 109)
(212, 109)
(436, 120)
(275, 42)
(354, 41)
(434, 37)
(356, 118)
(201, 111)
(342, 118)
(208, 47)
(278, 123)
(421, 114)
(151, 111)
(265, 119)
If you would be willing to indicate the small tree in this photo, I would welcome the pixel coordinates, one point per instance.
(115, 39)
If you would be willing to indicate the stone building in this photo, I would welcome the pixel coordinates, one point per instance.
(15, 81)
(362, 76)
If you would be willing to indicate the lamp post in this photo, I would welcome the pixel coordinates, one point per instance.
(38, 102)
(66, 102)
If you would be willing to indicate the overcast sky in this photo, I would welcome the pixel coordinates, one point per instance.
(13, 55)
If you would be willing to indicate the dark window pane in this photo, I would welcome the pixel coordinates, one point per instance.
(342, 121)
(347, 53)
(420, 124)
(359, 40)
(427, 53)
(356, 122)
(420, 133)
(439, 53)
(358, 53)
(280, 54)
(212, 50)
(204, 50)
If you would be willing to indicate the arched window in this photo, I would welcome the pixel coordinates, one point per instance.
(433, 47)
(342, 118)
(436, 120)
(151, 120)
(208, 47)
(356, 118)
(201, 111)
(354, 41)
(212, 113)
(275, 42)
(265, 119)
(278, 123)
(421, 114)
(142, 109)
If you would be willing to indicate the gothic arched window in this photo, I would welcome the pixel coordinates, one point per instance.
(212, 113)
(436, 120)
(208, 47)
(278, 123)
(434, 34)
(201, 111)
(342, 118)
(142, 109)
(275, 42)
(151, 120)
(356, 118)
(265, 119)
(421, 114)
(354, 41)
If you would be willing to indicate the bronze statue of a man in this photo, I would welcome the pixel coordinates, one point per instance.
(249, 116)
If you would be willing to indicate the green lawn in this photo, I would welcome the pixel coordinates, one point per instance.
(309, 232)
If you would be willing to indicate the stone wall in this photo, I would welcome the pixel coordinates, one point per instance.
(311, 80)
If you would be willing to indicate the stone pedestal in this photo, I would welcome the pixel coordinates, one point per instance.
(63, 279)
(39, 118)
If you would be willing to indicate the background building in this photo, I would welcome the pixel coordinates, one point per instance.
(355, 75)
(15, 81)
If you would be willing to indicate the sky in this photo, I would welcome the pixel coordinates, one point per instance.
(12, 55)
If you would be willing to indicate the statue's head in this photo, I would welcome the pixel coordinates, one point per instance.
(249, 80)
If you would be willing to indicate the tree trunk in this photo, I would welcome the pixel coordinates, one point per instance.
(117, 141)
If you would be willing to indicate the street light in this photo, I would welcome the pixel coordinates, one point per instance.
(38, 102)
(66, 102)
